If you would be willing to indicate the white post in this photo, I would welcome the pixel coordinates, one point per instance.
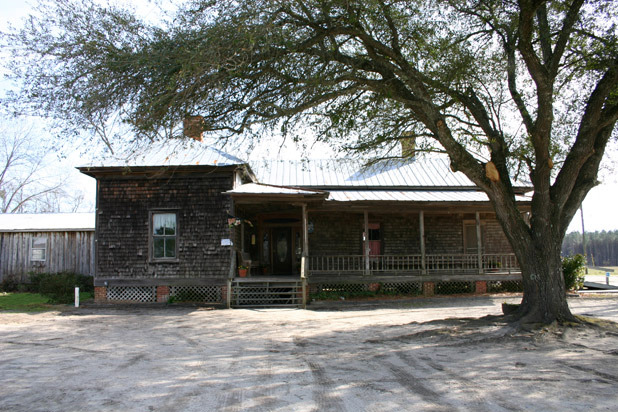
(421, 223)
(366, 241)
(77, 297)
(479, 244)
(607, 278)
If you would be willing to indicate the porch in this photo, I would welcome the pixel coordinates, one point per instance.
(418, 264)
(389, 275)
(333, 246)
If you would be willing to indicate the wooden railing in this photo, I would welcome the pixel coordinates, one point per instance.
(413, 264)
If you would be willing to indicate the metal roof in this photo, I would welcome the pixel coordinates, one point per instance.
(413, 196)
(47, 222)
(422, 172)
(179, 152)
(260, 189)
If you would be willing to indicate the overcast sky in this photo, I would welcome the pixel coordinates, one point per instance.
(600, 207)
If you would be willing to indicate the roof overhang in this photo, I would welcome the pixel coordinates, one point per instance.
(153, 171)
(257, 193)
(47, 222)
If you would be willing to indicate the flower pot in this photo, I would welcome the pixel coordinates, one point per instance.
(242, 273)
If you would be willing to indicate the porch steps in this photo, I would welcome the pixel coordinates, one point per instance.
(266, 293)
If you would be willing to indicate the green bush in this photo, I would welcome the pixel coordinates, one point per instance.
(573, 268)
(60, 287)
(9, 284)
(35, 281)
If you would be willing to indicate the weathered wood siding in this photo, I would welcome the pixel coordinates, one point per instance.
(65, 252)
(123, 225)
(341, 233)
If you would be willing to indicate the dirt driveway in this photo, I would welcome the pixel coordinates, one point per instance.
(402, 356)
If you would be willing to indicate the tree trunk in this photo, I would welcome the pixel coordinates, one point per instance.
(544, 299)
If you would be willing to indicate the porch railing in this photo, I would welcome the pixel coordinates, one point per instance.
(413, 264)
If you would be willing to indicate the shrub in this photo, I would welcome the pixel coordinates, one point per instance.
(573, 268)
(35, 281)
(60, 287)
(9, 284)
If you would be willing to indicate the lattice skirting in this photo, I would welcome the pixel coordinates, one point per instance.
(209, 294)
(498, 286)
(132, 293)
(454, 287)
(390, 288)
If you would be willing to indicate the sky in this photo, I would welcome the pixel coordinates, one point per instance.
(599, 207)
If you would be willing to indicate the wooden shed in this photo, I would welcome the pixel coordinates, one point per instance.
(47, 242)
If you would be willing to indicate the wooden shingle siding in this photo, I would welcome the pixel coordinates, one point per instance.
(123, 227)
(65, 252)
(341, 233)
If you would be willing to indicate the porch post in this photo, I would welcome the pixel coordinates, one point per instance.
(366, 241)
(479, 243)
(305, 254)
(305, 231)
(242, 236)
(228, 293)
(421, 223)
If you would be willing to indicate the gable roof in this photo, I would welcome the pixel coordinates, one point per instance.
(180, 152)
(47, 222)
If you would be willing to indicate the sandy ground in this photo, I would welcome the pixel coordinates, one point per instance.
(417, 355)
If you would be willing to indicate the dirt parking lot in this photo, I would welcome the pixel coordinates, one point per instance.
(414, 355)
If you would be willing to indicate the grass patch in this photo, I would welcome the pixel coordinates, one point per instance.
(32, 302)
(24, 302)
(596, 272)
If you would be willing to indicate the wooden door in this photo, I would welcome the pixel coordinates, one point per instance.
(282, 251)
(375, 239)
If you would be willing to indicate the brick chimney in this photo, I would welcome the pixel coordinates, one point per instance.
(408, 145)
(193, 127)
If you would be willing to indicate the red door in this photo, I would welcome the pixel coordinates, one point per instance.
(375, 243)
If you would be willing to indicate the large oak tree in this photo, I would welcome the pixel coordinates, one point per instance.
(505, 88)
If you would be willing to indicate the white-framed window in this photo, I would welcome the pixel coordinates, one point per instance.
(38, 249)
(164, 234)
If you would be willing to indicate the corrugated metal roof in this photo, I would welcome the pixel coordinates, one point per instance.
(47, 222)
(423, 172)
(412, 196)
(260, 189)
(181, 152)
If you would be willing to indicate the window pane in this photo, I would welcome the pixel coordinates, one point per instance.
(38, 254)
(159, 245)
(170, 247)
(164, 223)
(39, 243)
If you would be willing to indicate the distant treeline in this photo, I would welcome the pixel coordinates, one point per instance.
(601, 247)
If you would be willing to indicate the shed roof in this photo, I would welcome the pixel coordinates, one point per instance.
(348, 173)
(262, 189)
(423, 196)
(47, 222)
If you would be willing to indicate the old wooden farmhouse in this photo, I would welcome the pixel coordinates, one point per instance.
(184, 225)
(46, 242)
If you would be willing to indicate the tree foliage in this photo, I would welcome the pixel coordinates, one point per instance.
(506, 88)
(27, 184)
(601, 247)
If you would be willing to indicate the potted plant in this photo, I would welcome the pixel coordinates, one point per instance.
(242, 271)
